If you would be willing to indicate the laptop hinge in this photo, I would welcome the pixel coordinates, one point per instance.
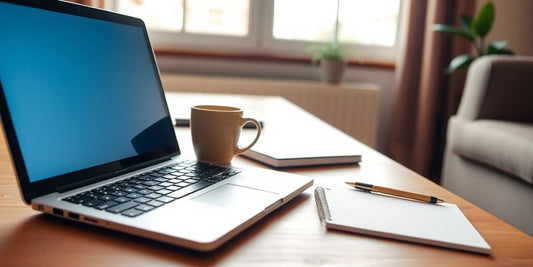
(85, 182)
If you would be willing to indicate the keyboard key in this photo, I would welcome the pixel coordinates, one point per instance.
(80, 199)
(106, 197)
(106, 205)
(72, 199)
(155, 203)
(122, 207)
(189, 189)
(145, 178)
(183, 184)
(174, 188)
(118, 193)
(166, 170)
(132, 212)
(180, 174)
(140, 186)
(142, 200)
(134, 195)
(121, 199)
(145, 191)
(152, 195)
(155, 187)
(86, 194)
(178, 167)
(165, 199)
(92, 203)
(150, 183)
(163, 191)
(144, 207)
(130, 190)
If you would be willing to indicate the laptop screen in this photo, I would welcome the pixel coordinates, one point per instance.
(80, 92)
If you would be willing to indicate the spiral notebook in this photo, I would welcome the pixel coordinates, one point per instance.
(360, 212)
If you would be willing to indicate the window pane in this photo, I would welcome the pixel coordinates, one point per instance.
(224, 17)
(305, 20)
(360, 21)
(368, 22)
(158, 15)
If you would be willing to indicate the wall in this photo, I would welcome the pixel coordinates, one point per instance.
(514, 23)
(295, 71)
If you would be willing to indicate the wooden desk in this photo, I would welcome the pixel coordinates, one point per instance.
(290, 236)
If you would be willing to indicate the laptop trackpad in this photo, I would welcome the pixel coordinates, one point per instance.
(230, 195)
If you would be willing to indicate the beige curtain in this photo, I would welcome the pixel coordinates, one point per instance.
(425, 97)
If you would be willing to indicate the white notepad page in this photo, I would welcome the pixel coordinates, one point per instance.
(440, 224)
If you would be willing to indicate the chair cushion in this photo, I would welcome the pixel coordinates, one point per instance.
(507, 146)
(508, 93)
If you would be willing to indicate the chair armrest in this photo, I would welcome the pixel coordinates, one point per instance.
(499, 88)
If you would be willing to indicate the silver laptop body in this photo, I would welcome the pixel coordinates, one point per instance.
(84, 113)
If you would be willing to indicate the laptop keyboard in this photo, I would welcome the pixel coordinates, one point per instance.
(145, 192)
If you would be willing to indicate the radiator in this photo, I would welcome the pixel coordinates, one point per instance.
(352, 108)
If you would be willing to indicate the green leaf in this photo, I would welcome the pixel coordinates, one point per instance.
(330, 51)
(483, 22)
(451, 30)
(314, 60)
(466, 23)
(498, 48)
(459, 62)
(498, 44)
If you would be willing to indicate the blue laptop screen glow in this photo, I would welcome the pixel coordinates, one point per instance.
(80, 91)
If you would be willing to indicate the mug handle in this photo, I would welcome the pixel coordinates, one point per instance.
(239, 150)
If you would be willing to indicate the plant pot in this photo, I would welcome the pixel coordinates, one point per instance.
(332, 70)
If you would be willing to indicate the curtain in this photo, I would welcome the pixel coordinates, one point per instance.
(425, 97)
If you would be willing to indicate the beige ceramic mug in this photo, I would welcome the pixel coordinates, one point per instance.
(215, 133)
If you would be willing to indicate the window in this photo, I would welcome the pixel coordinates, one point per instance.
(280, 27)
(223, 17)
(359, 21)
(216, 17)
(161, 15)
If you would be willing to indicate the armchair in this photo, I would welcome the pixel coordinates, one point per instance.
(489, 142)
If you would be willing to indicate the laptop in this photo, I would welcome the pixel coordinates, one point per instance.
(91, 139)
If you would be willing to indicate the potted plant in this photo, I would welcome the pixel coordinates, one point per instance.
(330, 56)
(475, 31)
(331, 59)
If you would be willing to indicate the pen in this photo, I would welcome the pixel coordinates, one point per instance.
(394, 192)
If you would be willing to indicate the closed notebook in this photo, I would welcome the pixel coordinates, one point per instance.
(440, 224)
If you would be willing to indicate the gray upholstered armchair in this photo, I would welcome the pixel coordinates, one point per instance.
(489, 149)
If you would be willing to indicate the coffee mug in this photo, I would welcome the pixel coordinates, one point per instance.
(215, 132)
